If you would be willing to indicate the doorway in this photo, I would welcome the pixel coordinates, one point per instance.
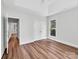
(12, 26)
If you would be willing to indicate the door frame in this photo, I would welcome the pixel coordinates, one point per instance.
(6, 30)
(49, 26)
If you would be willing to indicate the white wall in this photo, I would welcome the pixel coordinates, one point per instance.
(30, 26)
(2, 38)
(2, 28)
(66, 24)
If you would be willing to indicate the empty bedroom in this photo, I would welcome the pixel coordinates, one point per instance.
(39, 29)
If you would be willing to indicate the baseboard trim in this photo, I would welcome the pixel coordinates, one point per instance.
(30, 41)
(67, 43)
(63, 42)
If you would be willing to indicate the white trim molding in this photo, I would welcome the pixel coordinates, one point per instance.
(64, 42)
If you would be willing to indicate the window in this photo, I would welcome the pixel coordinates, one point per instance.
(53, 28)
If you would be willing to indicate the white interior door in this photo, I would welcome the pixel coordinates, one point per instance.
(37, 32)
(40, 29)
(43, 29)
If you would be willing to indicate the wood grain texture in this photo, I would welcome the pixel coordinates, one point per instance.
(45, 49)
(13, 44)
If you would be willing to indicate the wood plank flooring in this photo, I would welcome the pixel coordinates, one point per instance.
(45, 49)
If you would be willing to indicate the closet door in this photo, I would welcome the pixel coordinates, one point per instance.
(37, 31)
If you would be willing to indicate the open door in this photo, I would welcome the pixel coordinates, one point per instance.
(12, 26)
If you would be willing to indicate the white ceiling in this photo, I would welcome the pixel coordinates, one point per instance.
(42, 7)
(39, 6)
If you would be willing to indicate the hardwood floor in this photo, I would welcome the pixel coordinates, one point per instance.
(45, 49)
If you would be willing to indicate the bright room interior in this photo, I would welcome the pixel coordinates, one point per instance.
(40, 20)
